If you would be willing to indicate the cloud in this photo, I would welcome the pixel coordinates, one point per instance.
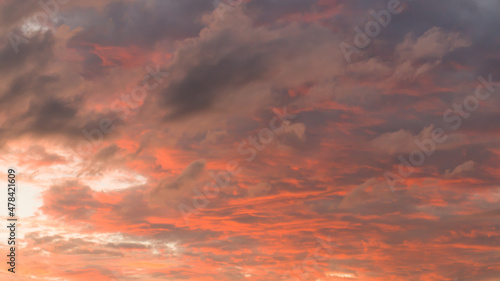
(231, 61)
(38, 156)
(460, 169)
(402, 141)
(322, 177)
(70, 200)
(260, 189)
(140, 23)
(168, 188)
(417, 56)
(365, 193)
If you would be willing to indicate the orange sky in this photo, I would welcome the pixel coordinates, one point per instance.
(252, 140)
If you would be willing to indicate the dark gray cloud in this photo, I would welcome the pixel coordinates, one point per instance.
(206, 81)
(220, 65)
(191, 173)
(140, 23)
(36, 51)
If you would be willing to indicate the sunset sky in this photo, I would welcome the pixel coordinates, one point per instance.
(256, 140)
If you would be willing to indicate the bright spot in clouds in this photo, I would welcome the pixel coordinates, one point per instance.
(341, 275)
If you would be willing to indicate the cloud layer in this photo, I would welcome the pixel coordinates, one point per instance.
(260, 153)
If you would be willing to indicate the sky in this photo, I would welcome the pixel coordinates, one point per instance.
(200, 140)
